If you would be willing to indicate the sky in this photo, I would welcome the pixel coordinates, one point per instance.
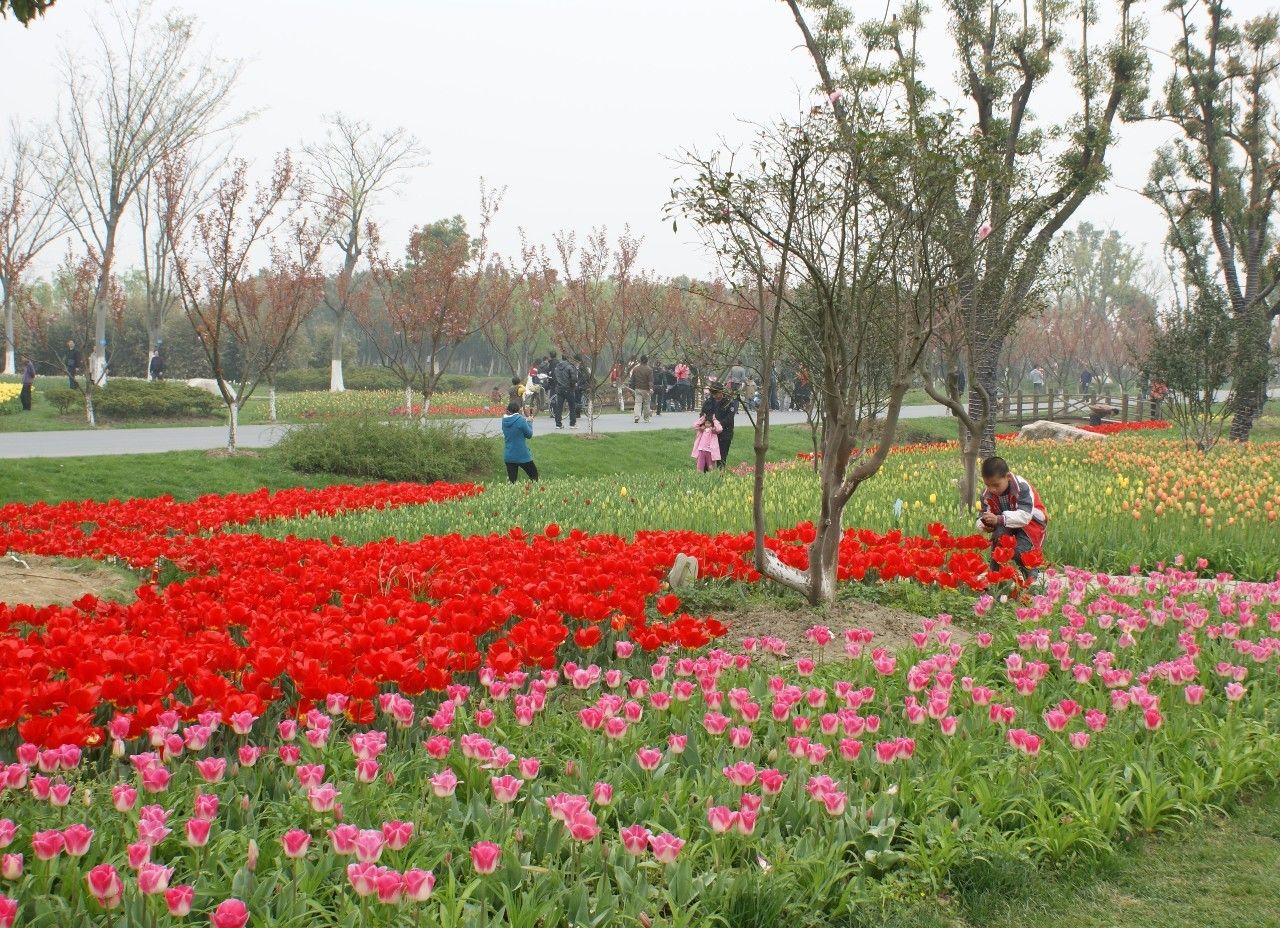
(577, 107)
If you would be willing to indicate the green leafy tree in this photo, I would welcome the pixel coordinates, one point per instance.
(1218, 183)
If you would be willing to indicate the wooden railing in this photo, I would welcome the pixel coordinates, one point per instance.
(1023, 407)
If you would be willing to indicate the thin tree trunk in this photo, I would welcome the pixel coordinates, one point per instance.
(984, 375)
(10, 355)
(271, 400)
(89, 416)
(408, 401)
(336, 384)
(152, 338)
(1249, 379)
(234, 426)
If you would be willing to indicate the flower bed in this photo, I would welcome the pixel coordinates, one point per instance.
(1119, 428)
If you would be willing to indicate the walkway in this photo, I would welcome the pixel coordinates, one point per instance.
(94, 442)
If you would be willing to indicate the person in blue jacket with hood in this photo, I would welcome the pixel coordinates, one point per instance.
(516, 432)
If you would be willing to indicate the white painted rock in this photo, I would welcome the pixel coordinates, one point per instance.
(684, 570)
(208, 383)
(1044, 430)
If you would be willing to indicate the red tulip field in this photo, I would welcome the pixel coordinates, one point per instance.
(529, 729)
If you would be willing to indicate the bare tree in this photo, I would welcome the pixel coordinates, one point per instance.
(29, 221)
(167, 201)
(354, 166)
(147, 93)
(238, 315)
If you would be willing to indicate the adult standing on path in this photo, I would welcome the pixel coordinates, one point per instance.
(564, 377)
(516, 432)
(722, 404)
(642, 387)
(71, 361)
(28, 380)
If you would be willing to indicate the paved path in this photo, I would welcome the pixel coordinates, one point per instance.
(93, 442)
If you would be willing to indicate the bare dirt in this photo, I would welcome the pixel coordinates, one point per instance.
(47, 581)
(892, 627)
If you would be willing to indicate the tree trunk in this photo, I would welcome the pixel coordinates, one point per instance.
(10, 358)
(984, 376)
(152, 339)
(271, 401)
(336, 384)
(233, 427)
(97, 358)
(89, 416)
(1249, 377)
(408, 401)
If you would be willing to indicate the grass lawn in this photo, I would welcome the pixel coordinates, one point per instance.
(1219, 873)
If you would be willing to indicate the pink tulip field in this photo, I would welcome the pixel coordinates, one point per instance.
(747, 782)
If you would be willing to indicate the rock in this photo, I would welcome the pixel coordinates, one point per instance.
(684, 570)
(1044, 430)
(208, 383)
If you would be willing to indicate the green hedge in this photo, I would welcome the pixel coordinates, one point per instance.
(358, 378)
(140, 399)
(368, 448)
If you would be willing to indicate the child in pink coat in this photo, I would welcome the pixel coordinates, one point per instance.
(706, 447)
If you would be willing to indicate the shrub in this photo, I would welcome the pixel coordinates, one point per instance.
(10, 398)
(140, 399)
(358, 378)
(360, 447)
(64, 398)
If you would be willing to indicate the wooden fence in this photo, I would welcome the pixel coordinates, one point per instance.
(1021, 407)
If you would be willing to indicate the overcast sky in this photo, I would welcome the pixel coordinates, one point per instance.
(575, 106)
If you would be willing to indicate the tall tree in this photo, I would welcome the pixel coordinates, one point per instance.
(146, 93)
(355, 166)
(235, 312)
(516, 334)
(1218, 182)
(29, 221)
(1023, 188)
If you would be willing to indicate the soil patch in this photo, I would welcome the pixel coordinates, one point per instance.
(45, 581)
(220, 453)
(893, 628)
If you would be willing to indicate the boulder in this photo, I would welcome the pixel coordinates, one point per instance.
(208, 383)
(684, 570)
(1044, 430)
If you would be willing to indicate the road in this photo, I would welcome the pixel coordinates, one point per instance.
(95, 442)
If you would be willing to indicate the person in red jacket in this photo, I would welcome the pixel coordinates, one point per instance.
(1011, 507)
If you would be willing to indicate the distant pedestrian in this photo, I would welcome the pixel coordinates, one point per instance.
(516, 432)
(71, 361)
(1037, 380)
(1086, 378)
(28, 381)
(706, 442)
(156, 367)
(737, 377)
(642, 387)
(564, 380)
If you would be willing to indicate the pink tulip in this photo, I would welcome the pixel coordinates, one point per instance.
(676, 743)
(343, 838)
(366, 771)
(231, 913)
(505, 788)
(123, 797)
(322, 797)
(206, 806)
(741, 774)
(212, 769)
(1235, 692)
(835, 802)
(666, 847)
(40, 786)
(11, 866)
(47, 844)
(721, 819)
(624, 649)
(389, 885)
(529, 767)
(251, 856)
(288, 729)
(179, 900)
(1056, 719)
(8, 911)
(1079, 740)
(155, 779)
(485, 856)
(198, 832)
(363, 878)
(772, 781)
(152, 831)
(368, 845)
(836, 95)
(60, 795)
(8, 831)
(77, 839)
(602, 794)
(418, 885)
(295, 843)
(242, 722)
(439, 746)
(948, 725)
(635, 839)
(1152, 719)
(397, 834)
(105, 885)
(648, 758)
(153, 879)
(249, 754)
(138, 854)
(745, 823)
(118, 727)
(444, 783)
(28, 754)
(1194, 694)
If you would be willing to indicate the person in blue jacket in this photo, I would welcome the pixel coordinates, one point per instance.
(516, 432)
